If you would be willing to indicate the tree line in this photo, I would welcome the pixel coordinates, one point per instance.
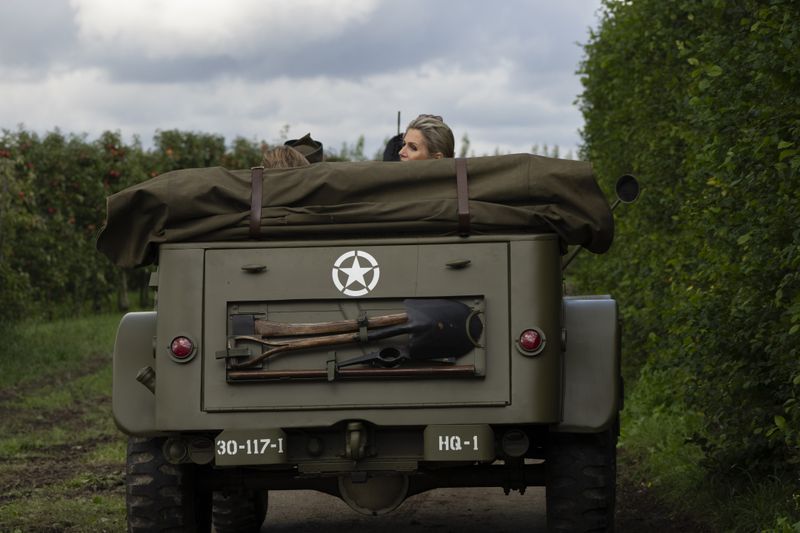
(52, 204)
(701, 100)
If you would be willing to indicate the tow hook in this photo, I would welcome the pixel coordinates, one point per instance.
(355, 441)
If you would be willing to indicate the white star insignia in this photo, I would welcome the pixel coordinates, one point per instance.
(364, 278)
(355, 273)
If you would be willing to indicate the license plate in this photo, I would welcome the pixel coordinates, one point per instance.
(459, 442)
(250, 447)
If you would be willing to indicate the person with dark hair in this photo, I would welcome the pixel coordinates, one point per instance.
(393, 146)
(427, 137)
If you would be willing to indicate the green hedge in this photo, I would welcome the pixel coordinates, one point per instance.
(701, 100)
(52, 203)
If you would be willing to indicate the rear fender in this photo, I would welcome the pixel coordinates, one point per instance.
(133, 405)
(591, 370)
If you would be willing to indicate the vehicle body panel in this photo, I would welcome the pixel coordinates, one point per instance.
(134, 406)
(514, 279)
(592, 379)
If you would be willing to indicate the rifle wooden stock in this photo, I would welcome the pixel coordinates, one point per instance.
(268, 328)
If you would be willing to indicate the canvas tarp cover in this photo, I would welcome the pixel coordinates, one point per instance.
(507, 194)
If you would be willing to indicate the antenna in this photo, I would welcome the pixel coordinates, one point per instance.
(398, 122)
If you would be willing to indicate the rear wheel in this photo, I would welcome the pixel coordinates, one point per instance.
(581, 481)
(239, 511)
(161, 496)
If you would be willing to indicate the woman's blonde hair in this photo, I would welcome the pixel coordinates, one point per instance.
(283, 157)
(438, 135)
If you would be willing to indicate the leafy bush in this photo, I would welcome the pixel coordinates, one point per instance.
(52, 204)
(700, 99)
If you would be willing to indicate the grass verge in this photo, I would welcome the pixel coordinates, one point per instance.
(38, 351)
(61, 457)
(656, 456)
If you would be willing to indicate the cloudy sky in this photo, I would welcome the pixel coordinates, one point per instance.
(502, 72)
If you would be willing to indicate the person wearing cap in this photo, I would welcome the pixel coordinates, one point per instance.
(427, 137)
(308, 147)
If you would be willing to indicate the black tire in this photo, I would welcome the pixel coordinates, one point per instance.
(160, 496)
(581, 482)
(239, 511)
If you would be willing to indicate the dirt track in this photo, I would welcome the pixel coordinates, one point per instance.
(460, 511)
(444, 510)
(440, 511)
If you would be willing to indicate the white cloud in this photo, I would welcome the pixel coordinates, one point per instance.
(485, 105)
(349, 81)
(196, 28)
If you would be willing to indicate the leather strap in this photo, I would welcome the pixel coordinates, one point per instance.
(256, 187)
(462, 190)
(363, 322)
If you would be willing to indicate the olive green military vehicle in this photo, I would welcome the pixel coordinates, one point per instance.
(369, 330)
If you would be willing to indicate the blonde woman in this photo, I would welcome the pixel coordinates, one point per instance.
(427, 137)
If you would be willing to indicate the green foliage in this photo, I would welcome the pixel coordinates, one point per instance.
(349, 152)
(61, 456)
(656, 456)
(700, 99)
(33, 348)
(52, 204)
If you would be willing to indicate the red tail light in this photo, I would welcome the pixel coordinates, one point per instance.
(531, 341)
(181, 348)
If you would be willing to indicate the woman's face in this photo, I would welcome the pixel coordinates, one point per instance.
(415, 147)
